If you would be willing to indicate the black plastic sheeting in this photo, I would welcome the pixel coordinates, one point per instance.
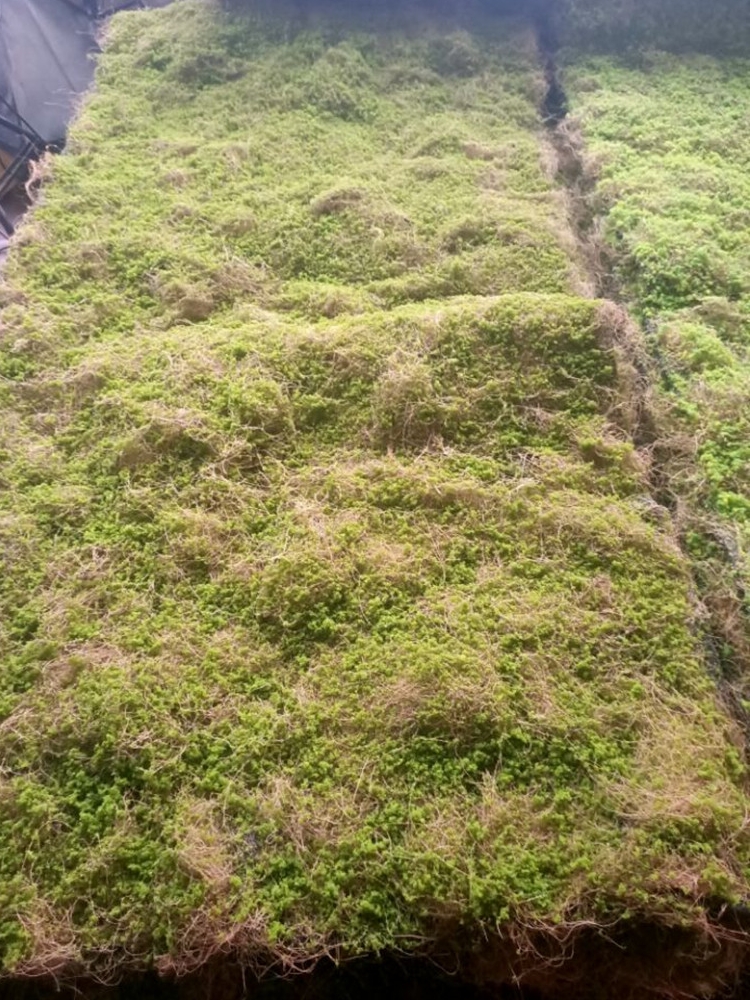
(47, 50)
(45, 64)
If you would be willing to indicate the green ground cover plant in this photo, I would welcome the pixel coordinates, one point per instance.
(666, 136)
(337, 614)
(671, 25)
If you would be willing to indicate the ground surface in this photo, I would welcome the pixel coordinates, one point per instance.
(339, 612)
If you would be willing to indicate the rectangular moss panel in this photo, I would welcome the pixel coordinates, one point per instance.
(668, 141)
(663, 135)
(336, 613)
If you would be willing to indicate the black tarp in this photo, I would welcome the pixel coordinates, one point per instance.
(46, 49)
(46, 63)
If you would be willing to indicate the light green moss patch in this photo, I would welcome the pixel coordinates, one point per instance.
(335, 610)
(313, 174)
(673, 153)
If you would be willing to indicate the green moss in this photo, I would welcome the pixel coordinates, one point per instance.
(334, 608)
(676, 189)
(674, 193)
(243, 188)
(673, 25)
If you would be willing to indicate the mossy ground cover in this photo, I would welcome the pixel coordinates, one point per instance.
(336, 614)
(669, 137)
(672, 25)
